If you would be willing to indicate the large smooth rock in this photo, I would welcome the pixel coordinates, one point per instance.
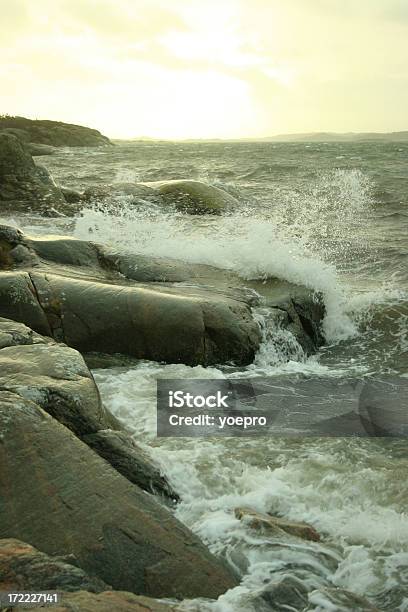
(57, 379)
(190, 325)
(24, 568)
(268, 523)
(282, 594)
(23, 185)
(96, 298)
(129, 459)
(60, 496)
(195, 197)
(112, 191)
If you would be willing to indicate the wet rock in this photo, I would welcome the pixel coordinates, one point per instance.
(98, 299)
(186, 325)
(57, 379)
(24, 568)
(71, 195)
(285, 593)
(15, 334)
(338, 600)
(53, 133)
(195, 197)
(78, 504)
(23, 185)
(130, 460)
(19, 301)
(275, 525)
(112, 190)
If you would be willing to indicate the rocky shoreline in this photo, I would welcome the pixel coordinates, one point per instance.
(39, 134)
(83, 509)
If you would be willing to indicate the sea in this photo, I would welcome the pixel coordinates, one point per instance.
(330, 216)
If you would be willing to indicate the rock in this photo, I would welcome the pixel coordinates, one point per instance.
(130, 460)
(191, 325)
(40, 149)
(195, 197)
(60, 496)
(141, 304)
(24, 568)
(54, 133)
(285, 593)
(15, 334)
(274, 524)
(23, 185)
(338, 600)
(56, 378)
(109, 191)
(71, 195)
(109, 601)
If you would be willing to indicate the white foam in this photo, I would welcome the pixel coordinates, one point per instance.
(348, 489)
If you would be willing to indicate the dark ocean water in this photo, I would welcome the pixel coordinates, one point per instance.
(335, 218)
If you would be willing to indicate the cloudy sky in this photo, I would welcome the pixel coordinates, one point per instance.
(207, 68)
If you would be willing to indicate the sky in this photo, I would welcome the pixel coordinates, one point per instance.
(178, 69)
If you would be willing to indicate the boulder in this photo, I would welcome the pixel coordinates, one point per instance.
(96, 298)
(194, 197)
(130, 460)
(60, 496)
(282, 594)
(71, 195)
(24, 568)
(23, 185)
(57, 379)
(275, 525)
(114, 190)
(92, 308)
(54, 133)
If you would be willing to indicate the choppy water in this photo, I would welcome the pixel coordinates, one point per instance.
(335, 218)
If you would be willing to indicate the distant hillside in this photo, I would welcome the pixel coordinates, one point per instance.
(339, 137)
(54, 133)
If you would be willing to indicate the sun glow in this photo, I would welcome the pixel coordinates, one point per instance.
(206, 69)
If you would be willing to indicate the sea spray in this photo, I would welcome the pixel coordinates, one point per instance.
(250, 248)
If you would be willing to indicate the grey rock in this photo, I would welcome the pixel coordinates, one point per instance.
(24, 568)
(98, 299)
(57, 379)
(195, 197)
(130, 460)
(71, 195)
(23, 185)
(78, 504)
(283, 594)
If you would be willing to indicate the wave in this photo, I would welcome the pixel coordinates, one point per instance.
(300, 240)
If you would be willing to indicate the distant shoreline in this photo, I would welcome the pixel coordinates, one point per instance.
(349, 137)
